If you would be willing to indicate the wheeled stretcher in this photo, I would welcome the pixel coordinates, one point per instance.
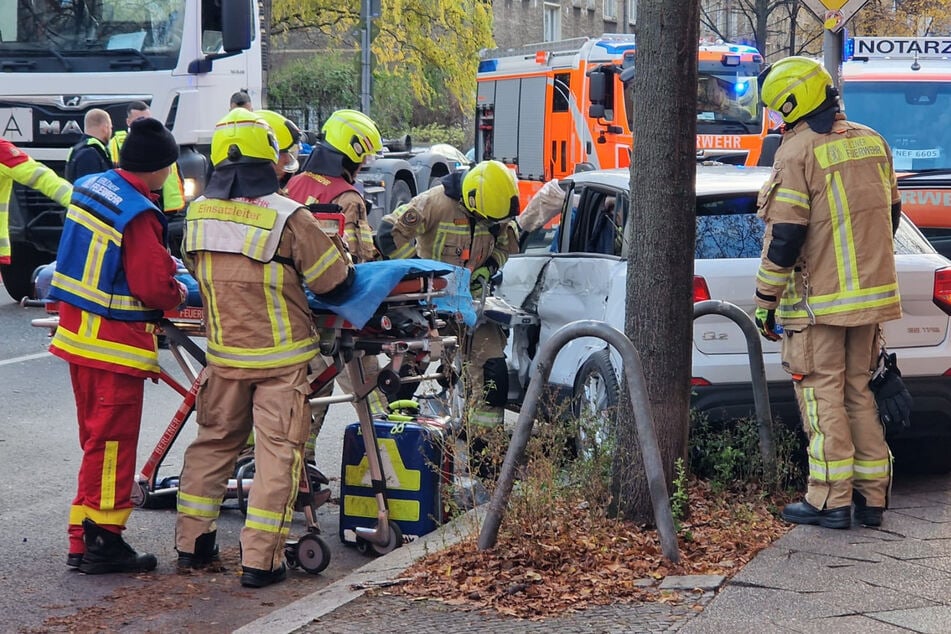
(396, 309)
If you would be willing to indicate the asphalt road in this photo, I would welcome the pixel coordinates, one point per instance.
(39, 459)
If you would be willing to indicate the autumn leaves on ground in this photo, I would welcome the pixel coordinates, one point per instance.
(569, 557)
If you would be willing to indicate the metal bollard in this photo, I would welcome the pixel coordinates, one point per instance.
(637, 387)
(764, 416)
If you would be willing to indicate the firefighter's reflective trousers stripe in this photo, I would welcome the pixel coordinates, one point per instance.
(231, 402)
(376, 399)
(109, 410)
(846, 439)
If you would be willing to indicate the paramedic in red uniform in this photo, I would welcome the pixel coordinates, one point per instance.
(16, 165)
(113, 277)
(251, 251)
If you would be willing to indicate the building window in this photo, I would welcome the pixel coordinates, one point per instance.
(610, 10)
(552, 22)
(631, 11)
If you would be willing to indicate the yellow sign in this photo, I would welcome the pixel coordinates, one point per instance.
(834, 13)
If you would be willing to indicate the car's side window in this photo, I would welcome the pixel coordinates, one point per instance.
(597, 225)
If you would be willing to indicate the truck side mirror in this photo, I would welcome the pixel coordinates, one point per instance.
(596, 110)
(236, 21)
(768, 152)
(236, 25)
(596, 88)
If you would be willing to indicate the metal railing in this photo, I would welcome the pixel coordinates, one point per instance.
(646, 438)
(754, 347)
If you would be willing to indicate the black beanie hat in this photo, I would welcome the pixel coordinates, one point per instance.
(148, 148)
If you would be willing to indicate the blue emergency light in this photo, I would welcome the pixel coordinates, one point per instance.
(488, 65)
(741, 87)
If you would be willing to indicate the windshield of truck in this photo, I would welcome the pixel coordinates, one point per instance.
(82, 35)
(914, 117)
(727, 101)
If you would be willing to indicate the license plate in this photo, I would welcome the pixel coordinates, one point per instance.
(16, 124)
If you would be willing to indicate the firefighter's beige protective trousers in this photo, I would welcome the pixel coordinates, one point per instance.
(376, 398)
(230, 401)
(483, 376)
(846, 439)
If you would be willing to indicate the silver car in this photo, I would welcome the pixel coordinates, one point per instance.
(580, 273)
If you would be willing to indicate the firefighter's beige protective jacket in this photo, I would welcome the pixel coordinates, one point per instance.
(841, 187)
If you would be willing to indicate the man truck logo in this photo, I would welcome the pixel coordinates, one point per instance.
(57, 127)
(72, 101)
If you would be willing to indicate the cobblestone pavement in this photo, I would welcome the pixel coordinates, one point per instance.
(386, 612)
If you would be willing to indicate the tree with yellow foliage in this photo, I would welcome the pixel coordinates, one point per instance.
(907, 18)
(413, 39)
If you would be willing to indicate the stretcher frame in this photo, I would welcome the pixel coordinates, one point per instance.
(415, 339)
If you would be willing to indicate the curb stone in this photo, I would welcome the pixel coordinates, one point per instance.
(378, 571)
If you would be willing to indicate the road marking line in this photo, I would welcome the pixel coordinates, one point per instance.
(28, 357)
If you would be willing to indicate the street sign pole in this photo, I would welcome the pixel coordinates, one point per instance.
(833, 14)
(366, 79)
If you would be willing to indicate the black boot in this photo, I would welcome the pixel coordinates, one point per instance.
(482, 459)
(205, 556)
(805, 513)
(864, 514)
(107, 552)
(257, 578)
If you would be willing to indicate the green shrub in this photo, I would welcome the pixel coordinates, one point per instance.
(726, 454)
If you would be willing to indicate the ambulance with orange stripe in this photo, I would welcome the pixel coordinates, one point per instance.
(551, 109)
(901, 87)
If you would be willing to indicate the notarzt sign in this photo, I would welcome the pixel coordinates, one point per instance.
(901, 47)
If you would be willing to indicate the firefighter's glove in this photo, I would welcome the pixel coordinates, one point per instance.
(892, 397)
(766, 323)
(479, 282)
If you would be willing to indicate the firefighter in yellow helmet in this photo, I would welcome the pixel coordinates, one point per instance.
(348, 138)
(251, 251)
(468, 221)
(287, 135)
(827, 275)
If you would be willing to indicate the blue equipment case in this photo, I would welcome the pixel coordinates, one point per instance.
(417, 460)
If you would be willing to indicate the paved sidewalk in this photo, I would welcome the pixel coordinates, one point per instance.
(815, 580)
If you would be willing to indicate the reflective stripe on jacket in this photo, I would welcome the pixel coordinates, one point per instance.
(308, 187)
(828, 253)
(16, 165)
(435, 226)
(249, 257)
(89, 271)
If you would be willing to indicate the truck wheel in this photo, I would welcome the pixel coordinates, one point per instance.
(399, 195)
(594, 405)
(18, 275)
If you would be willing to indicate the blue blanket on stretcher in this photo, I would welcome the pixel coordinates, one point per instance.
(373, 282)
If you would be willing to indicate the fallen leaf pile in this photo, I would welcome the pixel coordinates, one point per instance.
(574, 559)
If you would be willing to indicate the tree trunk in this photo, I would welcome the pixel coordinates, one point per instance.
(659, 307)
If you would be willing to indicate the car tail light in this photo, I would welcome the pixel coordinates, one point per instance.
(702, 293)
(699, 381)
(942, 289)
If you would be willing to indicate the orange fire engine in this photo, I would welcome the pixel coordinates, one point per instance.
(551, 109)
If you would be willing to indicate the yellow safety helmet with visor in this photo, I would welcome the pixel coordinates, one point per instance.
(490, 190)
(794, 87)
(353, 134)
(242, 136)
(287, 134)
